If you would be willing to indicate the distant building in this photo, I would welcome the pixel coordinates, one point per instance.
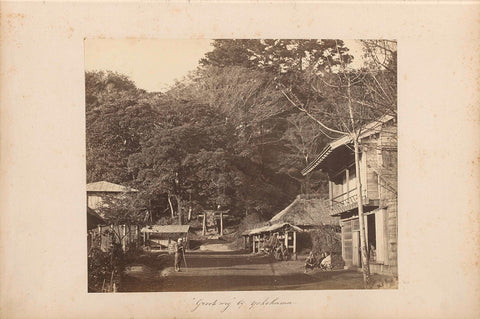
(98, 229)
(378, 171)
(97, 191)
(303, 214)
(162, 235)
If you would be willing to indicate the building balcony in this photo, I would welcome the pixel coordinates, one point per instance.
(348, 201)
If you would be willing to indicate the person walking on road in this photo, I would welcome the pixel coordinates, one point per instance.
(179, 254)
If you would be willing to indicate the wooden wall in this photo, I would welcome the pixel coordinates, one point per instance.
(371, 177)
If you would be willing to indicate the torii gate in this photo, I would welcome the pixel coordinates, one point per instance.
(217, 215)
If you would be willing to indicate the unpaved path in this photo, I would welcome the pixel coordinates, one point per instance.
(209, 271)
(215, 247)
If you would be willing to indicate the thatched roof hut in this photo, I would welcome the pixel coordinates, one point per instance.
(306, 212)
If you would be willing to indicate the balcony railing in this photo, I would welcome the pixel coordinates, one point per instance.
(347, 197)
(346, 201)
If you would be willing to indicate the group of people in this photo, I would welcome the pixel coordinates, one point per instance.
(273, 245)
(324, 262)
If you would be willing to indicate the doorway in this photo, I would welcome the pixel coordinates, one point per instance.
(356, 260)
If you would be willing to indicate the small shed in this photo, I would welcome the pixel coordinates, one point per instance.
(284, 232)
(162, 235)
(303, 214)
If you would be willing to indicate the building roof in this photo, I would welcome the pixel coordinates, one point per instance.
(306, 212)
(309, 212)
(367, 130)
(93, 219)
(166, 229)
(108, 187)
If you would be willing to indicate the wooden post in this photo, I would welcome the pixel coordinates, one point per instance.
(295, 245)
(286, 239)
(348, 185)
(221, 223)
(204, 224)
(330, 192)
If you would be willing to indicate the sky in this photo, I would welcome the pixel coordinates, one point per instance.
(155, 64)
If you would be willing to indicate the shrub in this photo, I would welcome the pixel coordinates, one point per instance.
(100, 271)
(106, 268)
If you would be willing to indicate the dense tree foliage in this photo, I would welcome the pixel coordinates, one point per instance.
(118, 117)
(227, 135)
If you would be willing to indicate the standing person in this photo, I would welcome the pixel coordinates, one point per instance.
(180, 250)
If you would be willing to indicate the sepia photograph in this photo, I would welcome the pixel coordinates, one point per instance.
(241, 164)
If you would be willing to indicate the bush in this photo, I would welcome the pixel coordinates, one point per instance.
(100, 270)
(106, 268)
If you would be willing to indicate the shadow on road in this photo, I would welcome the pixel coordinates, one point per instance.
(220, 271)
(324, 280)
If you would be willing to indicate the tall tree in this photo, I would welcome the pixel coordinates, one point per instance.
(278, 56)
(302, 141)
(118, 118)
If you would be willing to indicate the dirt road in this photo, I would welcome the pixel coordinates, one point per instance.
(214, 271)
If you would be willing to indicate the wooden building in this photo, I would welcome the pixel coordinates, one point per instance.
(378, 172)
(283, 231)
(97, 231)
(97, 191)
(303, 214)
(160, 236)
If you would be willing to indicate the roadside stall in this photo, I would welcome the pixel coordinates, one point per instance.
(160, 236)
(285, 233)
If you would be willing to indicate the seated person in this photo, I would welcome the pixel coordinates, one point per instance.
(326, 262)
(310, 262)
(373, 253)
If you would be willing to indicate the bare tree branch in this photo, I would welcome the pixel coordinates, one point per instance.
(312, 117)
